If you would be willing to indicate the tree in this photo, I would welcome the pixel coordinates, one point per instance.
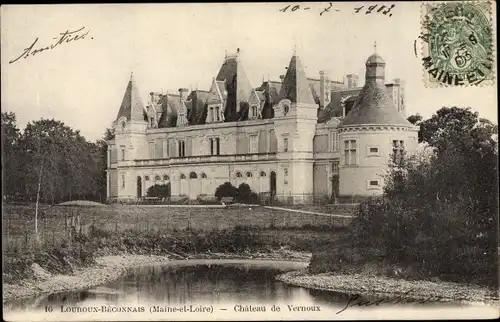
(415, 119)
(244, 192)
(65, 161)
(102, 161)
(441, 206)
(10, 155)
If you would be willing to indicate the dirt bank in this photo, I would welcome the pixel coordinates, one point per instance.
(109, 268)
(363, 284)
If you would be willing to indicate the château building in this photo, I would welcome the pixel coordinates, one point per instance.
(297, 140)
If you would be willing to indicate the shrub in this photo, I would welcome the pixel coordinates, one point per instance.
(226, 190)
(159, 190)
(438, 215)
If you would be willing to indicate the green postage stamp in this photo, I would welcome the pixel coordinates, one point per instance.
(457, 43)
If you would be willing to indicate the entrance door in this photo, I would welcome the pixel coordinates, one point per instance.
(272, 183)
(139, 188)
(335, 187)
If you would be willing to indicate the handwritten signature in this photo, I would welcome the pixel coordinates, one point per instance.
(356, 300)
(380, 9)
(63, 38)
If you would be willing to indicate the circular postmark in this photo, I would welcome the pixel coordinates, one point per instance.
(458, 43)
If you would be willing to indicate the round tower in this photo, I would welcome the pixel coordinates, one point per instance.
(370, 135)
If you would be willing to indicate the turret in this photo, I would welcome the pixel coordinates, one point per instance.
(370, 134)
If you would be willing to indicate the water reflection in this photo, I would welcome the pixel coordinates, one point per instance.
(204, 283)
(222, 286)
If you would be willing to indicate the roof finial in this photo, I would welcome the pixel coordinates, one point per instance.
(375, 47)
(131, 75)
(225, 53)
(294, 46)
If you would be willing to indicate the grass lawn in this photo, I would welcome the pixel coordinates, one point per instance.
(18, 220)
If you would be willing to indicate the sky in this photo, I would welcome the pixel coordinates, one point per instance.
(169, 46)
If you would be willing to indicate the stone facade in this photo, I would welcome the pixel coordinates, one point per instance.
(286, 139)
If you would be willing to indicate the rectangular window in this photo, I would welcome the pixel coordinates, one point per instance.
(123, 152)
(123, 181)
(212, 146)
(217, 113)
(285, 144)
(397, 150)
(335, 141)
(335, 167)
(253, 144)
(181, 147)
(374, 183)
(285, 172)
(372, 151)
(217, 140)
(350, 152)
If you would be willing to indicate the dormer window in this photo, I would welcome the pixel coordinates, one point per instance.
(214, 113)
(124, 124)
(253, 111)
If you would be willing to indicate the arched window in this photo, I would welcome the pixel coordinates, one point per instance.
(157, 178)
(238, 174)
(262, 174)
(146, 178)
(182, 176)
(193, 175)
(166, 178)
(249, 174)
(203, 176)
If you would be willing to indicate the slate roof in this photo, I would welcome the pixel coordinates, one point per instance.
(198, 99)
(132, 106)
(170, 105)
(232, 71)
(295, 85)
(375, 59)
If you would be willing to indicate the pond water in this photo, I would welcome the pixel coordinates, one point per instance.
(227, 291)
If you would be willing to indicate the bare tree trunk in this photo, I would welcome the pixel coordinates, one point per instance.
(38, 196)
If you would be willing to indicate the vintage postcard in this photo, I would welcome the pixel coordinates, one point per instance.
(249, 161)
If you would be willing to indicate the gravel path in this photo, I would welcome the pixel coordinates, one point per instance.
(384, 286)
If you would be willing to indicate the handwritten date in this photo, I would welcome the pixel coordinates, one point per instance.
(382, 9)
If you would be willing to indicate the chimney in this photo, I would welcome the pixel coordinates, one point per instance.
(325, 89)
(351, 81)
(183, 92)
(282, 77)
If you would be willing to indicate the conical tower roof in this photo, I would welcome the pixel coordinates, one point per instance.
(132, 106)
(295, 85)
(373, 104)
